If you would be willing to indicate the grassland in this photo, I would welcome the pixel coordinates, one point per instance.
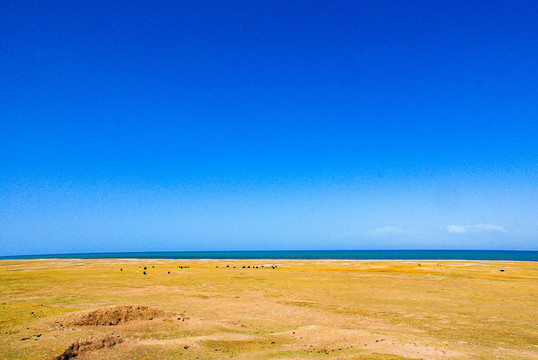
(298, 310)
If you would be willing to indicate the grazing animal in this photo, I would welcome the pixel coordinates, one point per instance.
(144, 273)
(144, 268)
(169, 272)
(121, 269)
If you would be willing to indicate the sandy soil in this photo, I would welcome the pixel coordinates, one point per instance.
(216, 309)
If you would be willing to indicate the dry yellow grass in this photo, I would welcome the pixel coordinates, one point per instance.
(300, 310)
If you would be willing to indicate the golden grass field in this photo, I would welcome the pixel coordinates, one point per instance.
(299, 310)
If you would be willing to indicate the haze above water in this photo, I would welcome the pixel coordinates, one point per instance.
(268, 126)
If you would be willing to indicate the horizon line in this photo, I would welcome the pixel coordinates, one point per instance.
(86, 254)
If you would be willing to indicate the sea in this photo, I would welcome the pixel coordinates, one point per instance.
(305, 254)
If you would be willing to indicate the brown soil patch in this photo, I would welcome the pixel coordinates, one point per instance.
(111, 316)
(91, 344)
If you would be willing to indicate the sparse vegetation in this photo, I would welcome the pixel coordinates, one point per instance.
(284, 310)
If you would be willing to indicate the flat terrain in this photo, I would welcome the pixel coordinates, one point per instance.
(90, 309)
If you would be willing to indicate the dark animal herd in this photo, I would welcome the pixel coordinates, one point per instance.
(186, 267)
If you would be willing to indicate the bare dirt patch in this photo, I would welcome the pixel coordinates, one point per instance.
(114, 315)
(95, 343)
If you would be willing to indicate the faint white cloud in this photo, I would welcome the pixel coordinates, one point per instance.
(456, 229)
(387, 230)
(463, 229)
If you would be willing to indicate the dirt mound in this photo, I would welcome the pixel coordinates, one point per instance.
(94, 343)
(114, 315)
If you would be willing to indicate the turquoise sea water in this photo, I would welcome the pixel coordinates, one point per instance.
(307, 254)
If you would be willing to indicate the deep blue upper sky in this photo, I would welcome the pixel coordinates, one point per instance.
(203, 125)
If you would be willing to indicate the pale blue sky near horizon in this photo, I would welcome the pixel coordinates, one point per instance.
(169, 126)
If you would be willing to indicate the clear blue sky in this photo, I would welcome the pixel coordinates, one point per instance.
(197, 125)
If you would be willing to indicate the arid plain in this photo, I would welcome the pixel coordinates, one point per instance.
(276, 309)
